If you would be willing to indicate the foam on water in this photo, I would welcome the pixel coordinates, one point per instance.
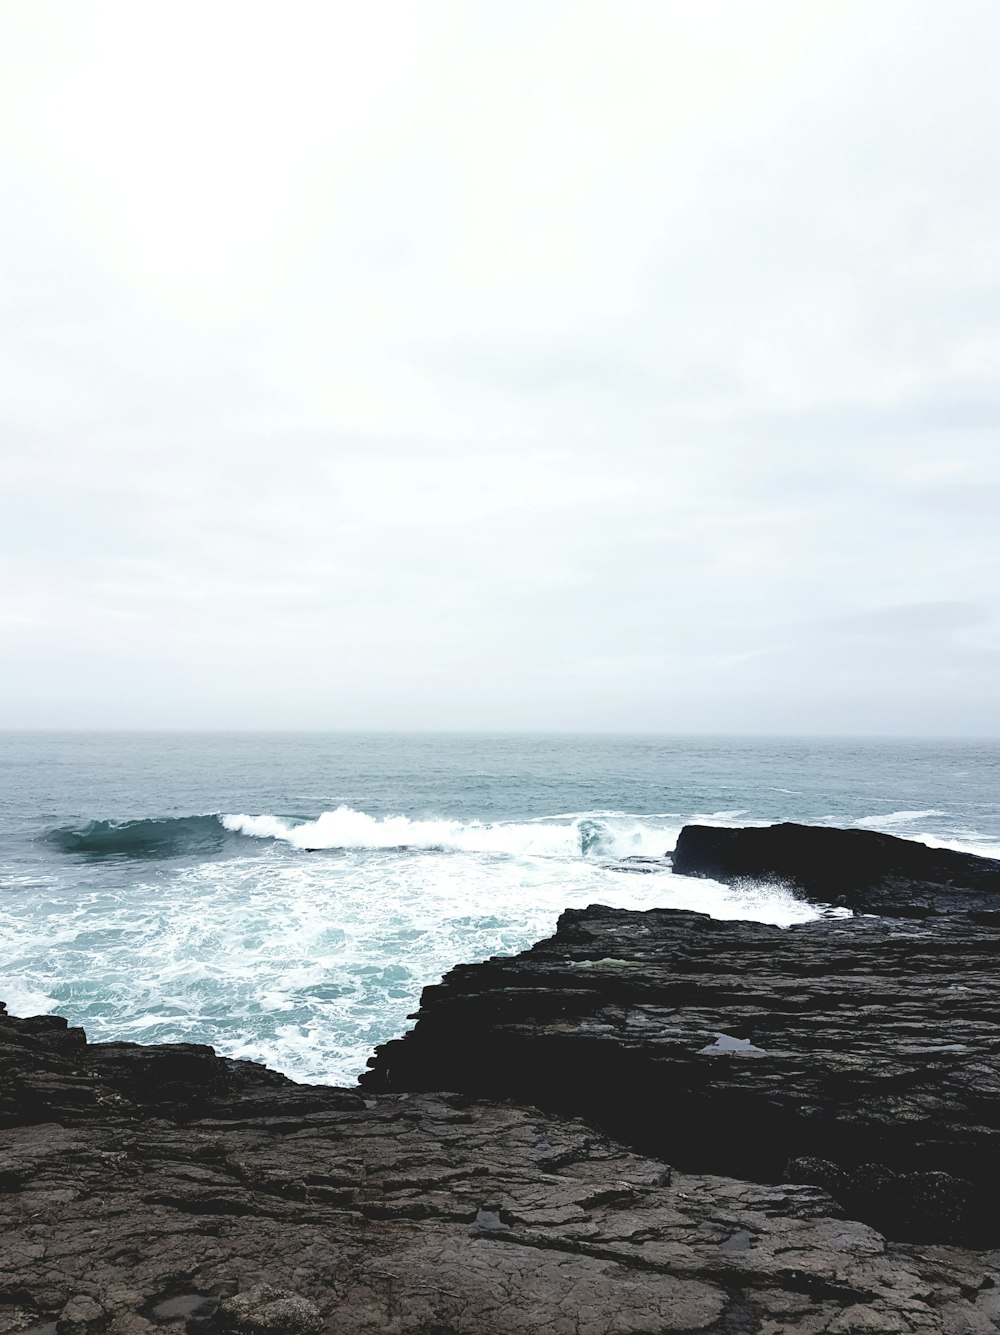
(307, 962)
(904, 825)
(968, 841)
(21, 998)
(130, 906)
(891, 819)
(611, 834)
(606, 834)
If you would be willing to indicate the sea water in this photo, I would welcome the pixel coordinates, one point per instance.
(285, 897)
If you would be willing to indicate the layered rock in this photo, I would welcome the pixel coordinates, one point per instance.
(865, 870)
(869, 1047)
(50, 1073)
(312, 1211)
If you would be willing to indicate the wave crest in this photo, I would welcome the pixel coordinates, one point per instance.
(566, 837)
(169, 837)
(592, 835)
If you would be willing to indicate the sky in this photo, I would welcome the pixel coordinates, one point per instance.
(625, 366)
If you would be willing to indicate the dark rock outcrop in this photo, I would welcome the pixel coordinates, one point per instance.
(50, 1073)
(734, 1047)
(867, 871)
(430, 1215)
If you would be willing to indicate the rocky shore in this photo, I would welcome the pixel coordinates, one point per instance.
(651, 1122)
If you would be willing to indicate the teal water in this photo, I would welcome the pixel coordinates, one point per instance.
(285, 897)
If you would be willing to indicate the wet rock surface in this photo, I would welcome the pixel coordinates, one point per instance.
(865, 870)
(424, 1213)
(868, 1048)
(49, 1072)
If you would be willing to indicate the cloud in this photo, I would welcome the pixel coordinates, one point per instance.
(907, 622)
(566, 366)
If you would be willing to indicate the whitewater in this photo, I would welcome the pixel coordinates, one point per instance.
(286, 898)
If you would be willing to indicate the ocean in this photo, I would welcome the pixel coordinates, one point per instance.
(285, 897)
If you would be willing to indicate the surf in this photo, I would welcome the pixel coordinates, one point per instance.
(582, 835)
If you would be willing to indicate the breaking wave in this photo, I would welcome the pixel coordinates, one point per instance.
(595, 835)
(591, 835)
(610, 835)
(171, 837)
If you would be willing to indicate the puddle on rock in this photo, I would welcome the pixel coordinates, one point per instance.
(185, 1305)
(726, 1043)
(738, 1243)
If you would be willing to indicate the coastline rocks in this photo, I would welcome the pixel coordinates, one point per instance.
(423, 1215)
(865, 870)
(49, 1072)
(656, 1122)
(870, 1046)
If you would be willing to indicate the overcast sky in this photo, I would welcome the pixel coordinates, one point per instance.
(505, 365)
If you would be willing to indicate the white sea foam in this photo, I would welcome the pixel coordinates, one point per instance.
(21, 997)
(959, 839)
(604, 834)
(306, 962)
(966, 842)
(891, 819)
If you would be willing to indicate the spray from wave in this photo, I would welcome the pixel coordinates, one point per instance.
(583, 835)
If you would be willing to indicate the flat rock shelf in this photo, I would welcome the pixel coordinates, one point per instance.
(862, 1054)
